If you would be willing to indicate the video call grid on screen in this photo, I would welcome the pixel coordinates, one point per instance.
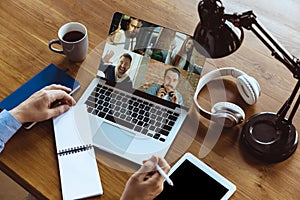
(150, 46)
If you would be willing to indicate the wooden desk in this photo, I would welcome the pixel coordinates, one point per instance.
(29, 157)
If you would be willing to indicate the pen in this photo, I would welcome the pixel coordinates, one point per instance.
(61, 101)
(167, 178)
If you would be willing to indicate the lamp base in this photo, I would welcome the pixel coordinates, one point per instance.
(265, 141)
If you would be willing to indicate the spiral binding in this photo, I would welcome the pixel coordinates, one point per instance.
(73, 150)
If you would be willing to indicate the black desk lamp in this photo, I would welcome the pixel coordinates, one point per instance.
(269, 136)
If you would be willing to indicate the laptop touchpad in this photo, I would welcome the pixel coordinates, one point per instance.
(112, 137)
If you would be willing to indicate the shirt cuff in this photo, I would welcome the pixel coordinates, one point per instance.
(9, 125)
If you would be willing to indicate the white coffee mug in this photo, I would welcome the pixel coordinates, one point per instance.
(73, 37)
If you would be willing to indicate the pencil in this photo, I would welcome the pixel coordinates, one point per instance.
(167, 178)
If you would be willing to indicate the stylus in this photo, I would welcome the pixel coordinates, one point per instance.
(167, 178)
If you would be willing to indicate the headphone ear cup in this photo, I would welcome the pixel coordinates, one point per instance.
(232, 113)
(248, 88)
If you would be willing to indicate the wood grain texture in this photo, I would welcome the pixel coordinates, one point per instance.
(29, 157)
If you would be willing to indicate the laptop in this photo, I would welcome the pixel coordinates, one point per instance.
(140, 98)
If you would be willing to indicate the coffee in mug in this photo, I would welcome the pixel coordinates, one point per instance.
(73, 38)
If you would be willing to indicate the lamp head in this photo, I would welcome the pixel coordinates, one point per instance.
(216, 36)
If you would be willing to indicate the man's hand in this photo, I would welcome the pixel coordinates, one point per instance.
(173, 96)
(39, 106)
(109, 54)
(146, 183)
(161, 92)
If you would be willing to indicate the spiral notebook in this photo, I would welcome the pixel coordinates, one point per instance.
(78, 168)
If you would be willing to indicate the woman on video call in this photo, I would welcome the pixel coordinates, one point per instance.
(183, 57)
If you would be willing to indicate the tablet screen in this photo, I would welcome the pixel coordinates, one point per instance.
(191, 182)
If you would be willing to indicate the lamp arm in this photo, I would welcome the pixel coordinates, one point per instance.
(248, 21)
(286, 106)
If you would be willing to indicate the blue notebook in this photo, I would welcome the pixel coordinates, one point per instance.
(49, 75)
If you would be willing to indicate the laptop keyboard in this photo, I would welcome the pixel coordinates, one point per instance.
(132, 112)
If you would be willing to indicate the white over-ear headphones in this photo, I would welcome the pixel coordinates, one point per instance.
(230, 113)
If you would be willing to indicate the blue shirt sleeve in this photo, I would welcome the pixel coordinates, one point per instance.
(9, 125)
(153, 89)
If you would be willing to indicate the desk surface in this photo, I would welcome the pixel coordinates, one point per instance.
(29, 157)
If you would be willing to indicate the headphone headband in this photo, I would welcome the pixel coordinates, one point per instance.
(225, 71)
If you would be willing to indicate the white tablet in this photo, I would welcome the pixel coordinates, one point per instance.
(193, 179)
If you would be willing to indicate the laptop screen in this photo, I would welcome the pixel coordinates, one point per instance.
(156, 61)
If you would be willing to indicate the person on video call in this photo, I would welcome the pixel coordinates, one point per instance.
(145, 183)
(126, 38)
(183, 57)
(168, 90)
(117, 73)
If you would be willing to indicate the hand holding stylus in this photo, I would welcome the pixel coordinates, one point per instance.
(147, 180)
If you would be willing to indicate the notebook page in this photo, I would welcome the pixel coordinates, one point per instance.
(79, 175)
(72, 129)
(78, 168)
